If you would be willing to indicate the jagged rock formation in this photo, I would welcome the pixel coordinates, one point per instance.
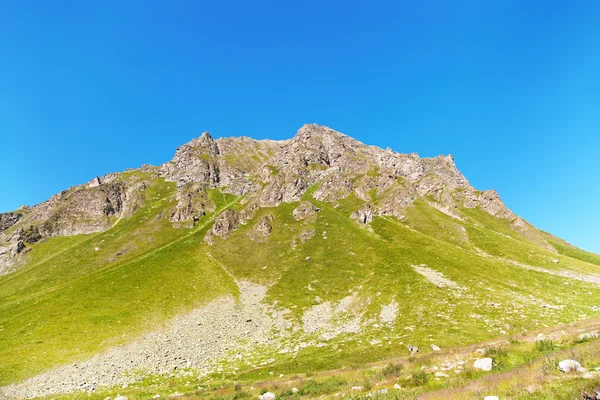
(266, 173)
(89, 208)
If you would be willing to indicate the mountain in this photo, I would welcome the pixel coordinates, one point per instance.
(245, 257)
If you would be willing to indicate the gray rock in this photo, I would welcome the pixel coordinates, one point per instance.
(483, 364)
(570, 366)
(269, 396)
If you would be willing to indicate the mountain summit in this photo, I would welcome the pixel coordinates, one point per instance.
(242, 258)
(265, 173)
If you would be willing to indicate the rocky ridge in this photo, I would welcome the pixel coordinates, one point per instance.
(266, 173)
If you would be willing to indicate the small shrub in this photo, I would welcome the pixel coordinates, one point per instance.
(316, 388)
(367, 384)
(419, 378)
(237, 386)
(495, 351)
(390, 370)
(544, 345)
(550, 365)
(470, 373)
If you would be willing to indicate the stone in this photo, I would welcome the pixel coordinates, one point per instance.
(294, 390)
(119, 397)
(570, 366)
(269, 396)
(490, 398)
(483, 364)
(435, 348)
(412, 349)
(356, 388)
(588, 336)
(397, 386)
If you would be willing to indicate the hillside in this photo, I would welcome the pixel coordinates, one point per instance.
(246, 258)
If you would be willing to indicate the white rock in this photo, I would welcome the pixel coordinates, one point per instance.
(268, 396)
(397, 386)
(294, 390)
(260, 397)
(484, 364)
(156, 396)
(435, 348)
(441, 375)
(119, 397)
(589, 335)
(356, 388)
(570, 365)
(490, 398)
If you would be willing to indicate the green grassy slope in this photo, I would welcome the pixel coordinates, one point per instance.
(71, 300)
(78, 295)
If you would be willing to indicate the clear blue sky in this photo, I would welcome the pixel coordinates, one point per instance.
(510, 87)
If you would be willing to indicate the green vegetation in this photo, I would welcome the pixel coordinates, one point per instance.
(76, 296)
(79, 295)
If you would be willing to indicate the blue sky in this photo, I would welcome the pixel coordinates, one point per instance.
(510, 88)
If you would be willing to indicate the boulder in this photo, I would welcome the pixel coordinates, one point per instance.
(268, 396)
(570, 366)
(483, 364)
(305, 210)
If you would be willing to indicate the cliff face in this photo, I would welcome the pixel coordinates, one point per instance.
(266, 173)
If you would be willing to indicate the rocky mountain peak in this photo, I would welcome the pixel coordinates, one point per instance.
(267, 173)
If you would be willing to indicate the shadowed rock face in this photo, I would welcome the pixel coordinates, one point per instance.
(266, 173)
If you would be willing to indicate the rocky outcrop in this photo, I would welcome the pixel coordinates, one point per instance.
(305, 211)
(264, 226)
(84, 209)
(8, 219)
(192, 203)
(364, 216)
(227, 222)
(194, 162)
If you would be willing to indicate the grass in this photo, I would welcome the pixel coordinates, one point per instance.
(71, 300)
(527, 373)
